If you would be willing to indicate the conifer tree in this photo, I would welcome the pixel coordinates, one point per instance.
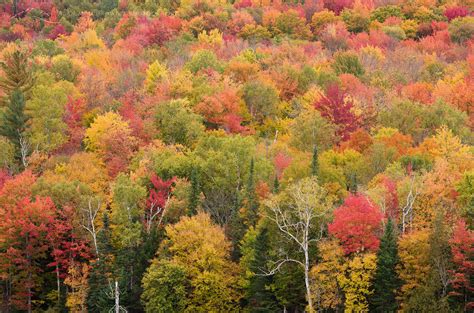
(194, 194)
(17, 74)
(386, 281)
(314, 162)
(251, 197)
(259, 296)
(13, 120)
(276, 184)
(102, 270)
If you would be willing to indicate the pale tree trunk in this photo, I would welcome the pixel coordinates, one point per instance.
(89, 217)
(304, 216)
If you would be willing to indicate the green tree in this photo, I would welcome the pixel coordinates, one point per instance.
(386, 281)
(47, 129)
(165, 285)
(348, 62)
(261, 99)
(195, 192)
(13, 121)
(17, 74)
(256, 253)
(314, 162)
(178, 124)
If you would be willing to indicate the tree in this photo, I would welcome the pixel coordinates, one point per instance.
(111, 138)
(314, 162)
(159, 195)
(327, 292)
(261, 99)
(255, 247)
(386, 281)
(23, 245)
(17, 74)
(196, 265)
(13, 122)
(462, 249)
(310, 130)
(165, 287)
(154, 74)
(77, 281)
(300, 214)
(178, 124)
(338, 109)
(46, 108)
(414, 267)
(195, 192)
(357, 223)
(356, 282)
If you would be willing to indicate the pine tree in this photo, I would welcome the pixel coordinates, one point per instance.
(13, 120)
(276, 184)
(251, 197)
(259, 296)
(314, 162)
(195, 192)
(17, 74)
(386, 281)
(102, 270)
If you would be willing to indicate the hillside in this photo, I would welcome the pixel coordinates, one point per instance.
(247, 156)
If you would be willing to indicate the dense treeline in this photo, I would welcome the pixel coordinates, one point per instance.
(254, 156)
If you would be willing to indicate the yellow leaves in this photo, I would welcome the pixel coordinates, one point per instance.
(83, 167)
(83, 41)
(154, 74)
(101, 60)
(445, 145)
(77, 280)
(197, 244)
(213, 38)
(356, 281)
(104, 126)
(414, 261)
(324, 275)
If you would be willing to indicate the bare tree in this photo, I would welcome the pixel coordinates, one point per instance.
(154, 210)
(114, 293)
(89, 216)
(407, 209)
(24, 150)
(300, 213)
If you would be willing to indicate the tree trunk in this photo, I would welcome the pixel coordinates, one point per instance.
(306, 281)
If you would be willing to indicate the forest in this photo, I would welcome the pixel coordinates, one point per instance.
(236, 156)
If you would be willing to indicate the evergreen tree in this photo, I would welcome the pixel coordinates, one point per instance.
(314, 162)
(259, 296)
(386, 281)
(102, 271)
(251, 197)
(17, 74)
(195, 192)
(13, 120)
(276, 184)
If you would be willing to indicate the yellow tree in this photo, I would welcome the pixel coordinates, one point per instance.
(355, 281)
(77, 280)
(327, 292)
(195, 262)
(414, 268)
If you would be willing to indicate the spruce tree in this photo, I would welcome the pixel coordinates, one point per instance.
(314, 162)
(17, 74)
(251, 197)
(13, 120)
(194, 193)
(276, 185)
(386, 281)
(102, 271)
(259, 296)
